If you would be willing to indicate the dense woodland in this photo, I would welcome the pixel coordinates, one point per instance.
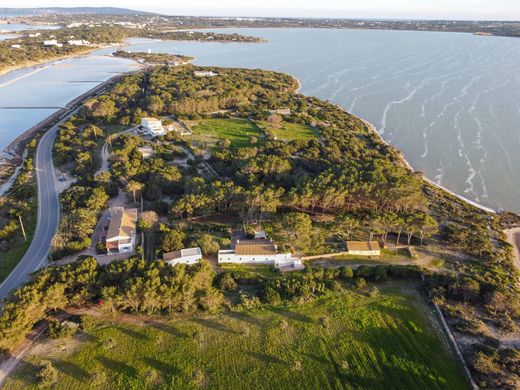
(347, 174)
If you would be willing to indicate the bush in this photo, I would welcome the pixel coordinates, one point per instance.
(361, 283)
(58, 330)
(374, 293)
(380, 274)
(271, 296)
(48, 375)
(227, 282)
(346, 272)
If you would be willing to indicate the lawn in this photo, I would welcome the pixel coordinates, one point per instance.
(237, 130)
(293, 131)
(386, 342)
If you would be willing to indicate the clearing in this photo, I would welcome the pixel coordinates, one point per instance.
(291, 131)
(236, 130)
(345, 339)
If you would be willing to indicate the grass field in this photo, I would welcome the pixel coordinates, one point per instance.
(386, 342)
(237, 130)
(293, 131)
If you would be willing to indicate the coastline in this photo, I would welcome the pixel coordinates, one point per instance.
(14, 145)
(429, 181)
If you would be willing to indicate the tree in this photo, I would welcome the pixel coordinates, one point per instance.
(427, 226)
(134, 186)
(48, 375)
(148, 220)
(345, 225)
(172, 240)
(298, 228)
(208, 244)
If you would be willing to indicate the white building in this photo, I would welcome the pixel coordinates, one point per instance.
(34, 35)
(153, 126)
(258, 252)
(184, 256)
(78, 42)
(16, 46)
(363, 248)
(52, 42)
(205, 73)
(121, 235)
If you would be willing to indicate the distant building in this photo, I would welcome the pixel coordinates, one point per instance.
(121, 235)
(259, 251)
(153, 126)
(78, 42)
(363, 248)
(52, 42)
(16, 46)
(205, 73)
(184, 256)
(34, 35)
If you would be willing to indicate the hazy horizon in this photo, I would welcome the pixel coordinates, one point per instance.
(355, 9)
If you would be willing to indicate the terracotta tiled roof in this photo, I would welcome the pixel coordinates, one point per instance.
(255, 247)
(122, 223)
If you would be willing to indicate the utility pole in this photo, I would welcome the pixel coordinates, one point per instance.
(21, 225)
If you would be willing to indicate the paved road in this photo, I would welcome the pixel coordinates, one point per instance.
(48, 216)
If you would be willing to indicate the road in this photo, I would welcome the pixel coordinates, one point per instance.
(48, 203)
(48, 215)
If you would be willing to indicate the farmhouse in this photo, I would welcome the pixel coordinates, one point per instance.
(363, 248)
(153, 126)
(52, 42)
(184, 256)
(260, 251)
(121, 235)
(205, 73)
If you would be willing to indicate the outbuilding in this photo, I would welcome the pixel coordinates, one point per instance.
(363, 248)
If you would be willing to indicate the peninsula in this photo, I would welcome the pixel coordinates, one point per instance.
(218, 206)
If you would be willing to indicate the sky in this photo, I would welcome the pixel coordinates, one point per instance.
(391, 9)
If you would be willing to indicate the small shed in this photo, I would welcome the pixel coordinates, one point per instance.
(363, 248)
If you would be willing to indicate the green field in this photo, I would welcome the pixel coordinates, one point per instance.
(293, 131)
(237, 130)
(385, 342)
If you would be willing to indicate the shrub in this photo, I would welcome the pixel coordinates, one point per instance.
(271, 296)
(361, 283)
(58, 330)
(48, 375)
(374, 293)
(380, 274)
(227, 282)
(346, 272)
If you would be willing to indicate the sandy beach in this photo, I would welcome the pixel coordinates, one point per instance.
(513, 236)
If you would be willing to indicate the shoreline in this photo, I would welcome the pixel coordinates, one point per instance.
(428, 180)
(513, 236)
(14, 144)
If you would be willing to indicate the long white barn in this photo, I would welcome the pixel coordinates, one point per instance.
(258, 252)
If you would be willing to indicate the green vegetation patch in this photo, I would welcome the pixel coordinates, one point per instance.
(237, 130)
(342, 340)
(293, 132)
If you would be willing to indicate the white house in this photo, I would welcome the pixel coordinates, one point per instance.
(16, 46)
(363, 248)
(184, 256)
(52, 42)
(259, 251)
(153, 126)
(205, 73)
(78, 42)
(121, 235)
(34, 35)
